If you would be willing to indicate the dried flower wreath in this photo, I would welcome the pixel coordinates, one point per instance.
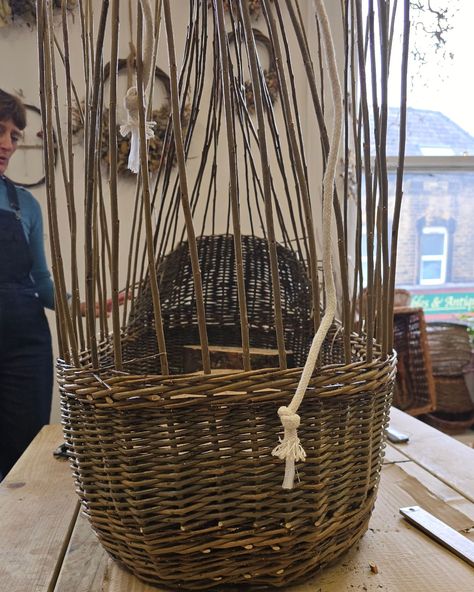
(270, 74)
(24, 11)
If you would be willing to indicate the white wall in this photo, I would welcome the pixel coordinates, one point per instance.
(19, 73)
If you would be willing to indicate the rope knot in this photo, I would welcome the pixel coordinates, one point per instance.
(132, 127)
(289, 449)
(289, 419)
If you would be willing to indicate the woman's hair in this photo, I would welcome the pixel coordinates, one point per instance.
(11, 107)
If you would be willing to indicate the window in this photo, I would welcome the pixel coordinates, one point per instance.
(433, 249)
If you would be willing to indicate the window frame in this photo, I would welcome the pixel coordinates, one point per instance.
(443, 257)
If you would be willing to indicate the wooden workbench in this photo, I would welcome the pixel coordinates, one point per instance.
(47, 546)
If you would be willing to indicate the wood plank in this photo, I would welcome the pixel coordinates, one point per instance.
(85, 563)
(38, 507)
(230, 357)
(443, 456)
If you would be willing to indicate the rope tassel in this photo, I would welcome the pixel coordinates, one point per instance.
(290, 449)
(132, 127)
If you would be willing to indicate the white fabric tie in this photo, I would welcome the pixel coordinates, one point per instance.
(132, 127)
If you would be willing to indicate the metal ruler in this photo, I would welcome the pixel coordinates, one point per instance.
(440, 532)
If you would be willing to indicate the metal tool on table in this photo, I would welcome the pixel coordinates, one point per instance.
(395, 436)
(440, 532)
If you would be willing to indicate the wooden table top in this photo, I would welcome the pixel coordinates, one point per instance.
(46, 545)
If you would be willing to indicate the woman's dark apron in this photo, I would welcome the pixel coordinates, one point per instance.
(26, 361)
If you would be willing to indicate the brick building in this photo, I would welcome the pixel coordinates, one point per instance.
(436, 236)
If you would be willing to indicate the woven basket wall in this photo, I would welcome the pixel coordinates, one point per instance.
(414, 390)
(217, 264)
(178, 481)
(452, 395)
(449, 348)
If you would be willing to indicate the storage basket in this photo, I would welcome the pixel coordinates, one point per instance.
(217, 264)
(177, 477)
(450, 423)
(452, 395)
(414, 389)
(450, 349)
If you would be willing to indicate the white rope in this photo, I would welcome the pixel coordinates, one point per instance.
(132, 126)
(290, 448)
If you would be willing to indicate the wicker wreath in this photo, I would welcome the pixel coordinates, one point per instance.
(270, 74)
(255, 7)
(24, 11)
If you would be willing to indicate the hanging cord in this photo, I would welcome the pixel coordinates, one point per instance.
(131, 126)
(290, 448)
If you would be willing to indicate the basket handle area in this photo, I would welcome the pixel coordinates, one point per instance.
(290, 448)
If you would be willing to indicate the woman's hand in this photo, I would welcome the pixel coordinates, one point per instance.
(122, 296)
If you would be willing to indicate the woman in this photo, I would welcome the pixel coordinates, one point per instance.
(26, 367)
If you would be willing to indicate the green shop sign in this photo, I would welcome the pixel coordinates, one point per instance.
(444, 302)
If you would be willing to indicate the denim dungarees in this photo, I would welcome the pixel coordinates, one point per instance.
(26, 363)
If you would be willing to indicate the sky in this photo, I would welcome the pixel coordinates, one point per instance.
(446, 86)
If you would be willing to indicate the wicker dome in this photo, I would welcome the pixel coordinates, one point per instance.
(217, 263)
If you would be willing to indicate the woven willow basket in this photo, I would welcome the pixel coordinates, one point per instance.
(217, 265)
(177, 478)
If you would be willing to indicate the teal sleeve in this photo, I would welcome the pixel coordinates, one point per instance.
(39, 270)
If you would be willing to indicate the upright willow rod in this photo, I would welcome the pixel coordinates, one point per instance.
(180, 155)
(297, 159)
(400, 167)
(115, 222)
(65, 325)
(146, 195)
(262, 142)
(90, 187)
(368, 181)
(228, 110)
(70, 88)
(303, 46)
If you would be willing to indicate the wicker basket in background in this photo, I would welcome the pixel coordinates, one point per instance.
(414, 390)
(450, 350)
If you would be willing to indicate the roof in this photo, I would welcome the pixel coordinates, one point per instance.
(429, 133)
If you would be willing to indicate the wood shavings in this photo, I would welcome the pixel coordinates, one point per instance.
(373, 567)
